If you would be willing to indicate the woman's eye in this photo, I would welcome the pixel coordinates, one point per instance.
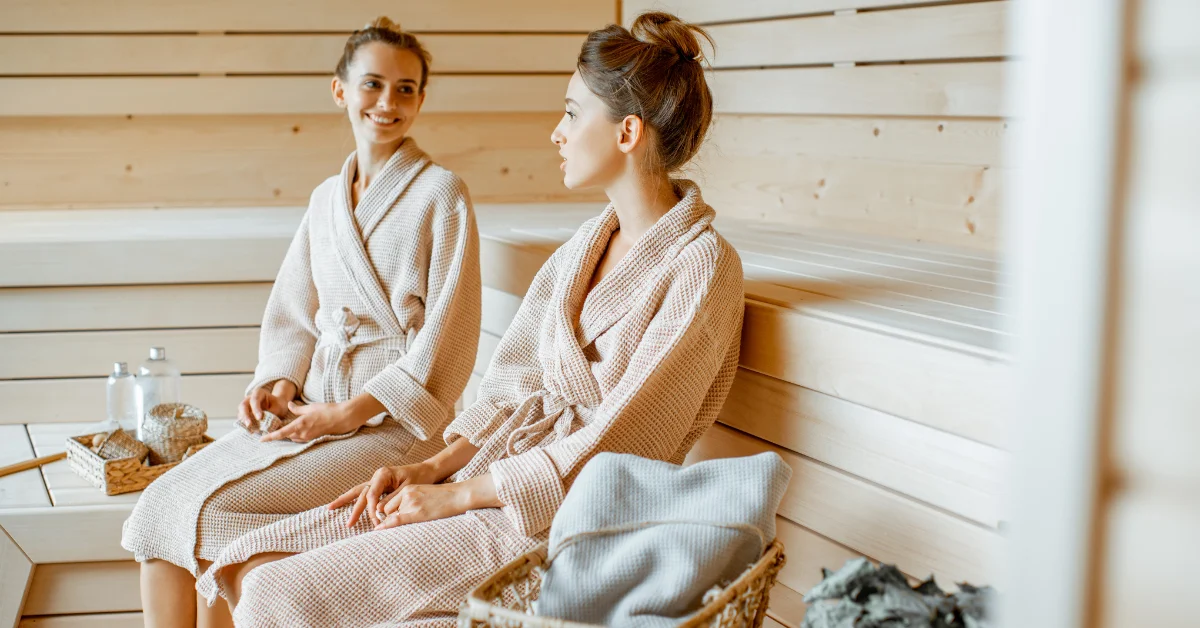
(570, 115)
(371, 85)
(406, 90)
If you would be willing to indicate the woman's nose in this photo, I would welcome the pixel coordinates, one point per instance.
(556, 137)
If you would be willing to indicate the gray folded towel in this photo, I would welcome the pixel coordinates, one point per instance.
(637, 542)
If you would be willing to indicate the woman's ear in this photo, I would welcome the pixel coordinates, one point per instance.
(339, 92)
(631, 132)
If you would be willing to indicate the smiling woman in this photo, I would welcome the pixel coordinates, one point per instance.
(368, 338)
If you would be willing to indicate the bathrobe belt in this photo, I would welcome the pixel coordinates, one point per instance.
(343, 337)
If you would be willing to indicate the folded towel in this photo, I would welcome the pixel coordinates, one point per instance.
(637, 542)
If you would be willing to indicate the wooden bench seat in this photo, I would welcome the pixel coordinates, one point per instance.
(875, 367)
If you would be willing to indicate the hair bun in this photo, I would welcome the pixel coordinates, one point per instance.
(667, 31)
(384, 23)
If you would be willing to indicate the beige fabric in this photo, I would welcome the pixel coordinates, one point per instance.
(639, 365)
(383, 298)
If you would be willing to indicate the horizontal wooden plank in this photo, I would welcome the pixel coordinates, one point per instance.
(24, 489)
(487, 348)
(83, 399)
(499, 309)
(949, 390)
(962, 31)
(117, 246)
(948, 141)
(190, 161)
(1150, 553)
(866, 518)
(708, 11)
(14, 579)
(98, 620)
(951, 89)
(947, 471)
(68, 488)
(786, 607)
(132, 307)
(70, 588)
(84, 353)
(807, 553)
(223, 95)
(59, 16)
(299, 53)
(952, 204)
(82, 534)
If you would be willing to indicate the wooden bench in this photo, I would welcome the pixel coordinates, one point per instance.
(874, 367)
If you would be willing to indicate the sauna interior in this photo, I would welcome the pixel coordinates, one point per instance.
(967, 228)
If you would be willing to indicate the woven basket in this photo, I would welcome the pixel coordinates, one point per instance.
(120, 475)
(169, 429)
(119, 444)
(505, 599)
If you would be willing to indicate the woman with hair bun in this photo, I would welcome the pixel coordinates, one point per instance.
(627, 341)
(367, 341)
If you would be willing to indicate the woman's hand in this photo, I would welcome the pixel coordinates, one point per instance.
(422, 502)
(386, 480)
(260, 400)
(315, 420)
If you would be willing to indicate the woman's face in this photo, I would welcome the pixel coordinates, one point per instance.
(382, 92)
(588, 140)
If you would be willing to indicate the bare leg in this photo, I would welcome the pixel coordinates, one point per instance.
(215, 616)
(168, 595)
(234, 574)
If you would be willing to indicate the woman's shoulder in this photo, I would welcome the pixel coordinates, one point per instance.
(711, 253)
(443, 185)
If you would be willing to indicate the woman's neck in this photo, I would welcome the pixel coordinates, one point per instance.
(640, 201)
(371, 159)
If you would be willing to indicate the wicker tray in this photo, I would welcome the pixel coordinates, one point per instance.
(742, 603)
(121, 475)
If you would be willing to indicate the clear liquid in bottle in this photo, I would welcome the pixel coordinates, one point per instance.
(158, 381)
(122, 399)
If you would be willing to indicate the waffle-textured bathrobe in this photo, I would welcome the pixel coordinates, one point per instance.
(641, 364)
(382, 298)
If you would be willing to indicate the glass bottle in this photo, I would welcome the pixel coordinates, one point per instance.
(157, 382)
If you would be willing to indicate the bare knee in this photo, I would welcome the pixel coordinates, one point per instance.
(234, 575)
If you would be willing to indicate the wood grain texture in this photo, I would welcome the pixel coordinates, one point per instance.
(99, 620)
(285, 53)
(866, 518)
(82, 399)
(708, 11)
(952, 89)
(76, 588)
(58, 16)
(962, 31)
(260, 95)
(190, 161)
(25, 488)
(132, 307)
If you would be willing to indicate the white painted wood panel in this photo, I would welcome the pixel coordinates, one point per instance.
(499, 309)
(92, 353)
(24, 489)
(82, 534)
(75, 400)
(132, 307)
(99, 620)
(487, 348)
(14, 579)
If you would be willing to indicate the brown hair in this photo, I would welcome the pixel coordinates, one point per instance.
(382, 29)
(653, 70)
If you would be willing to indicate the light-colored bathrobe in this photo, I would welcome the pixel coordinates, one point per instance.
(382, 298)
(640, 365)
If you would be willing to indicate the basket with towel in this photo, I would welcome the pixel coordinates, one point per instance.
(639, 542)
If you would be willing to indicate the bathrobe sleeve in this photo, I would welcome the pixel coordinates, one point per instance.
(689, 349)
(289, 330)
(420, 388)
(515, 371)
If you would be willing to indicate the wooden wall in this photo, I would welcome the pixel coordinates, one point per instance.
(862, 115)
(143, 103)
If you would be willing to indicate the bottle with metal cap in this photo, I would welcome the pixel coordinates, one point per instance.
(158, 381)
(122, 399)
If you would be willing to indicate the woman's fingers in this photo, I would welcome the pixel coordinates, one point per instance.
(380, 483)
(292, 431)
(244, 413)
(360, 505)
(256, 403)
(347, 497)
